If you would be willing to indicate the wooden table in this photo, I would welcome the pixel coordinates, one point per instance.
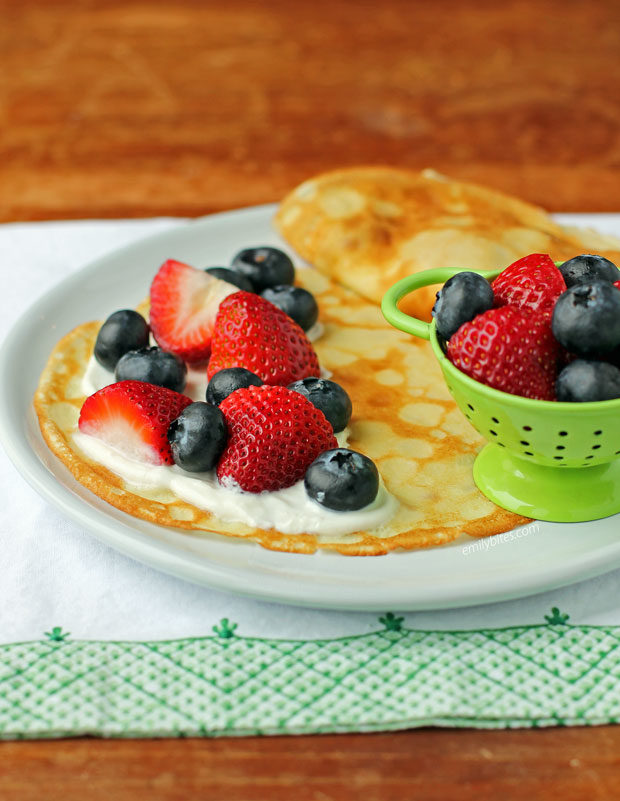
(140, 108)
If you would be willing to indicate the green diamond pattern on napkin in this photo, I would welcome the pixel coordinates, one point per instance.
(394, 678)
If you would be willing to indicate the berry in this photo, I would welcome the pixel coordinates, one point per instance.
(342, 480)
(586, 318)
(133, 417)
(228, 380)
(329, 397)
(153, 365)
(274, 434)
(231, 277)
(264, 266)
(508, 349)
(298, 303)
(533, 283)
(617, 284)
(250, 332)
(583, 380)
(586, 268)
(460, 299)
(184, 302)
(197, 437)
(123, 331)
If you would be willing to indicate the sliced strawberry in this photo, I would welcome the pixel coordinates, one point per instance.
(274, 435)
(533, 282)
(508, 349)
(251, 332)
(133, 417)
(184, 303)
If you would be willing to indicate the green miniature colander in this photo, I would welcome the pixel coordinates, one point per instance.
(544, 459)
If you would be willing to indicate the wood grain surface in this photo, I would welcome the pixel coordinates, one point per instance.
(117, 109)
(141, 108)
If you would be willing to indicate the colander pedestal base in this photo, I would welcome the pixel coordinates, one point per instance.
(558, 494)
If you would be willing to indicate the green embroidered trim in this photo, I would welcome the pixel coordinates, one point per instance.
(395, 678)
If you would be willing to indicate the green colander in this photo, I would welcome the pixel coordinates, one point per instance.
(544, 459)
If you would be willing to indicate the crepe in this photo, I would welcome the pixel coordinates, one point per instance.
(403, 418)
(367, 227)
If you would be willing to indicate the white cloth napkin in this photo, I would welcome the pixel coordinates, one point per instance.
(54, 576)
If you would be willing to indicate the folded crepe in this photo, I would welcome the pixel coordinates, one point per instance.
(367, 227)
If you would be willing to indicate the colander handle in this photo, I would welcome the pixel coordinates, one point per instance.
(412, 325)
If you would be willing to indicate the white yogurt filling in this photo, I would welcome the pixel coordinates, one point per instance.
(289, 510)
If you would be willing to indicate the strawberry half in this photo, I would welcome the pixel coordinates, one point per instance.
(251, 332)
(133, 417)
(533, 282)
(274, 435)
(508, 349)
(184, 303)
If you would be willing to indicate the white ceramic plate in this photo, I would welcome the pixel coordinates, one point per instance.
(539, 557)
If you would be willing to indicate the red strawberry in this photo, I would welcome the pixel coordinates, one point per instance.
(251, 332)
(184, 302)
(508, 349)
(274, 435)
(533, 282)
(133, 417)
(617, 284)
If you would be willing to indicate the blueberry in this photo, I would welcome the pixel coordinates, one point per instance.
(153, 365)
(585, 268)
(264, 267)
(329, 397)
(342, 480)
(123, 331)
(583, 381)
(298, 303)
(231, 276)
(461, 298)
(586, 318)
(197, 437)
(228, 380)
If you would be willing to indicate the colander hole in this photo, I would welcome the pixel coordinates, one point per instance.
(523, 442)
(562, 433)
(591, 456)
(616, 453)
(527, 428)
(529, 453)
(468, 416)
(558, 457)
(597, 433)
(469, 406)
(560, 448)
(501, 444)
(492, 432)
(495, 420)
(595, 447)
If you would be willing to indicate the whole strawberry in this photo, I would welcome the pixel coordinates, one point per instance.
(274, 435)
(251, 332)
(508, 349)
(133, 417)
(533, 282)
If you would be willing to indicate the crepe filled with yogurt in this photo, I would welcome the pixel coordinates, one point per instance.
(367, 227)
(403, 419)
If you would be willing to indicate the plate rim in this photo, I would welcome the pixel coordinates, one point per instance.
(166, 558)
